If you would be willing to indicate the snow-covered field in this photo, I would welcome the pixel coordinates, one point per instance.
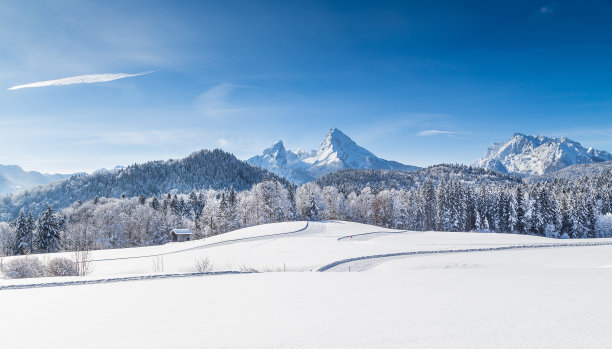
(504, 291)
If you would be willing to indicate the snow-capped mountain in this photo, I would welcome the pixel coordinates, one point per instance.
(115, 169)
(538, 155)
(337, 152)
(14, 179)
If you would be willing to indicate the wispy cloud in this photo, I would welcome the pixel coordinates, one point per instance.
(435, 133)
(214, 102)
(548, 9)
(81, 79)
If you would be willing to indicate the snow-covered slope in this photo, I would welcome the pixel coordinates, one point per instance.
(503, 291)
(337, 152)
(294, 246)
(14, 179)
(537, 155)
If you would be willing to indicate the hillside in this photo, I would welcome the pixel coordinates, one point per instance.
(201, 170)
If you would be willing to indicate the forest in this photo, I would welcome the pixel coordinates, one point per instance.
(579, 208)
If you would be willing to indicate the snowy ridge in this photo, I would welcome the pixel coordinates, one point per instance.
(538, 155)
(338, 151)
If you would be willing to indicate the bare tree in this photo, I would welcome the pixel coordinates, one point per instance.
(158, 264)
(82, 259)
(203, 264)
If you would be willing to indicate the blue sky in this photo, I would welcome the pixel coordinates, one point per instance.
(241, 74)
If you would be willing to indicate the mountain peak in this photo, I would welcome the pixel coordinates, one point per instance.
(278, 146)
(537, 155)
(335, 132)
(337, 151)
(336, 140)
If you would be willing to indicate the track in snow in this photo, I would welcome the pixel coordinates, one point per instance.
(367, 262)
(117, 279)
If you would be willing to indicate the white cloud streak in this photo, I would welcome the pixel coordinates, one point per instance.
(81, 79)
(214, 102)
(435, 132)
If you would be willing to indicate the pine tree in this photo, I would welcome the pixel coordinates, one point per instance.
(23, 235)
(31, 229)
(222, 216)
(313, 211)
(591, 217)
(428, 200)
(292, 206)
(48, 237)
(477, 222)
(155, 204)
(520, 210)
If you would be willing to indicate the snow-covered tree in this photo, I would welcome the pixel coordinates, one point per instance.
(48, 232)
(23, 235)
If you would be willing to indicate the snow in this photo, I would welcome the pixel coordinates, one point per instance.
(337, 151)
(532, 295)
(537, 155)
(182, 231)
(291, 246)
(417, 309)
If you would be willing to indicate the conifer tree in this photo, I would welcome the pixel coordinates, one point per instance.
(520, 210)
(22, 235)
(428, 199)
(31, 229)
(48, 232)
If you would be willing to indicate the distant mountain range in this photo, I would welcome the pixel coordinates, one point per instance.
(337, 152)
(14, 179)
(538, 155)
(534, 157)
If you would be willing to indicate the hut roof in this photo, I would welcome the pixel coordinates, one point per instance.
(182, 231)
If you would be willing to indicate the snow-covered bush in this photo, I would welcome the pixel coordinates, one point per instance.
(60, 266)
(27, 267)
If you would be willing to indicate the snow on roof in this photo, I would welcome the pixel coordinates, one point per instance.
(182, 231)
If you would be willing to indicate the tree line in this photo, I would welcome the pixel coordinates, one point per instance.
(559, 209)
